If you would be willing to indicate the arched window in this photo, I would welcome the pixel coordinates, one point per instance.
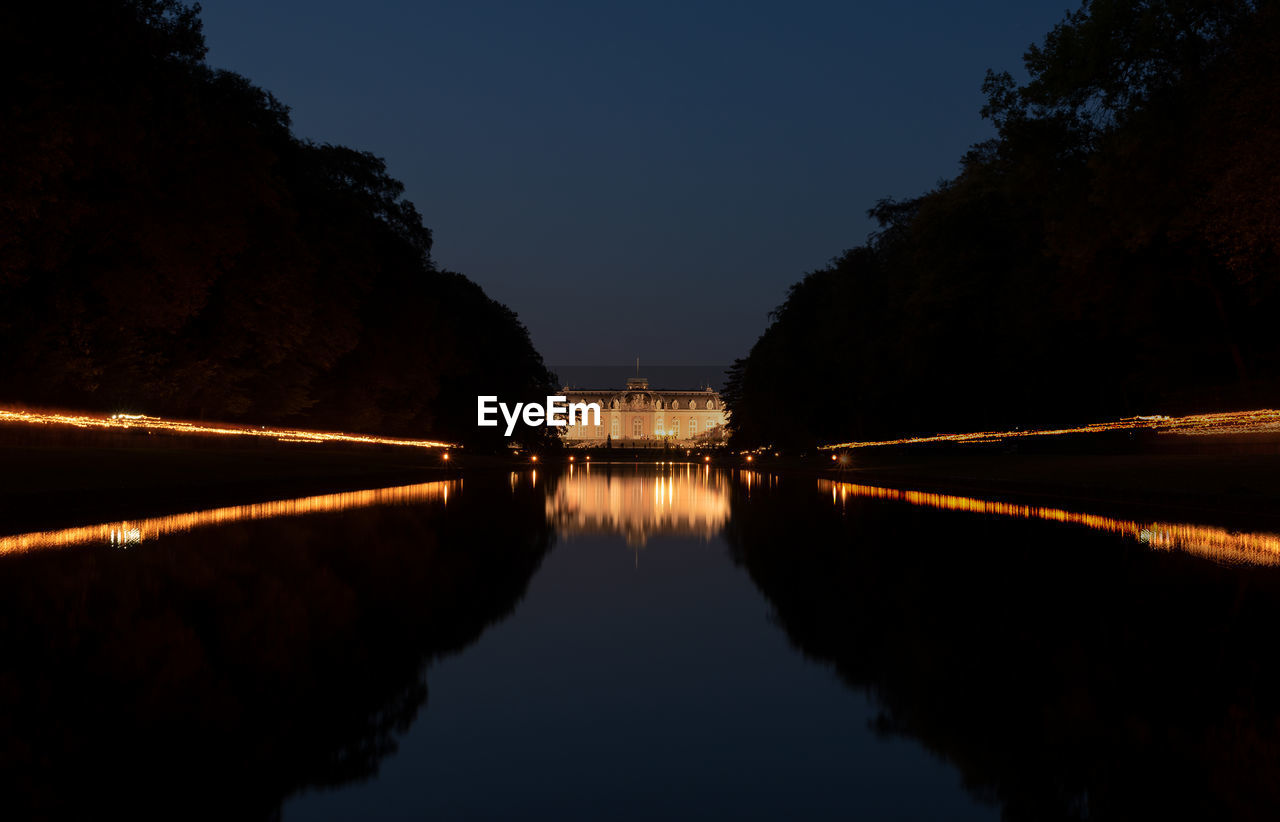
(658, 427)
(637, 427)
(675, 428)
(693, 426)
(616, 428)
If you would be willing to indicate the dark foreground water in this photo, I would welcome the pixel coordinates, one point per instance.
(644, 642)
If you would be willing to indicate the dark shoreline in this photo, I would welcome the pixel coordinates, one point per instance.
(56, 478)
(1228, 489)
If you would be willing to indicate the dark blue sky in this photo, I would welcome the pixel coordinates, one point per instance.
(641, 179)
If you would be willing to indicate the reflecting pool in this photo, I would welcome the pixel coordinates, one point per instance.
(638, 642)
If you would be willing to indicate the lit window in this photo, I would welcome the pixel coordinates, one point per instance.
(637, 427)
(675, 428)
(693, 426)
(616, 428)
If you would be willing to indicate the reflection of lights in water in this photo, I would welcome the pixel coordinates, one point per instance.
(751, 479)
(140, 422)
(126, 537)
(1263, 421)
(676, 500)
(134, 532)
(1218, 544)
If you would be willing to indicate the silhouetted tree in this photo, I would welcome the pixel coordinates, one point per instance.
(167, 245)
(1112, 250)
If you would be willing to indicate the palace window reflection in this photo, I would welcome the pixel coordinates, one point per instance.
(638, 503)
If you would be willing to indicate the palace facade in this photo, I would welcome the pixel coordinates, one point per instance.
(640, 416)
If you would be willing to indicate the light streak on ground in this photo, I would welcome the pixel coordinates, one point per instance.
(125, 533)
(1217, 544)
(1264, 421)
(141, 422)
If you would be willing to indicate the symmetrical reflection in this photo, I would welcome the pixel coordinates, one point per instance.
(1067, 673)
(1063, 673)
(133, 532)
(217, 670)
(1217, 544)
(675, 500)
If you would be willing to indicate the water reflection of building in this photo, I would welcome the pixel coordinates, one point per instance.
(641, 415)
(676, 500)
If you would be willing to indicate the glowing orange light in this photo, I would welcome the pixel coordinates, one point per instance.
(570, 459)
(1218, 424)
(146, 423)
(131, 532)
(534, 458)
(638, 506)
(706, 459)
(1217, 544)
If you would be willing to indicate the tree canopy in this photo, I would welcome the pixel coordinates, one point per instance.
(168, 245)
(1114, 249)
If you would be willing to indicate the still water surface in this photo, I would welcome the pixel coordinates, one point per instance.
(640, 642)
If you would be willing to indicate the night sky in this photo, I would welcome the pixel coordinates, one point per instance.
(640, 180)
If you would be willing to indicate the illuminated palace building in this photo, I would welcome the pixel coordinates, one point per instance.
(641, 416)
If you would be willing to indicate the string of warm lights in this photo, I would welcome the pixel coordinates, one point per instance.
(1227, 422)
(148, 423)
(132, 532)
(1217, 544)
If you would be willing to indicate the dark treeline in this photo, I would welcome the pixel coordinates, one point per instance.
(1113, 250)
(167, 245)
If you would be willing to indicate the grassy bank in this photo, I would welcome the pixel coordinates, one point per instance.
(58, 477)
